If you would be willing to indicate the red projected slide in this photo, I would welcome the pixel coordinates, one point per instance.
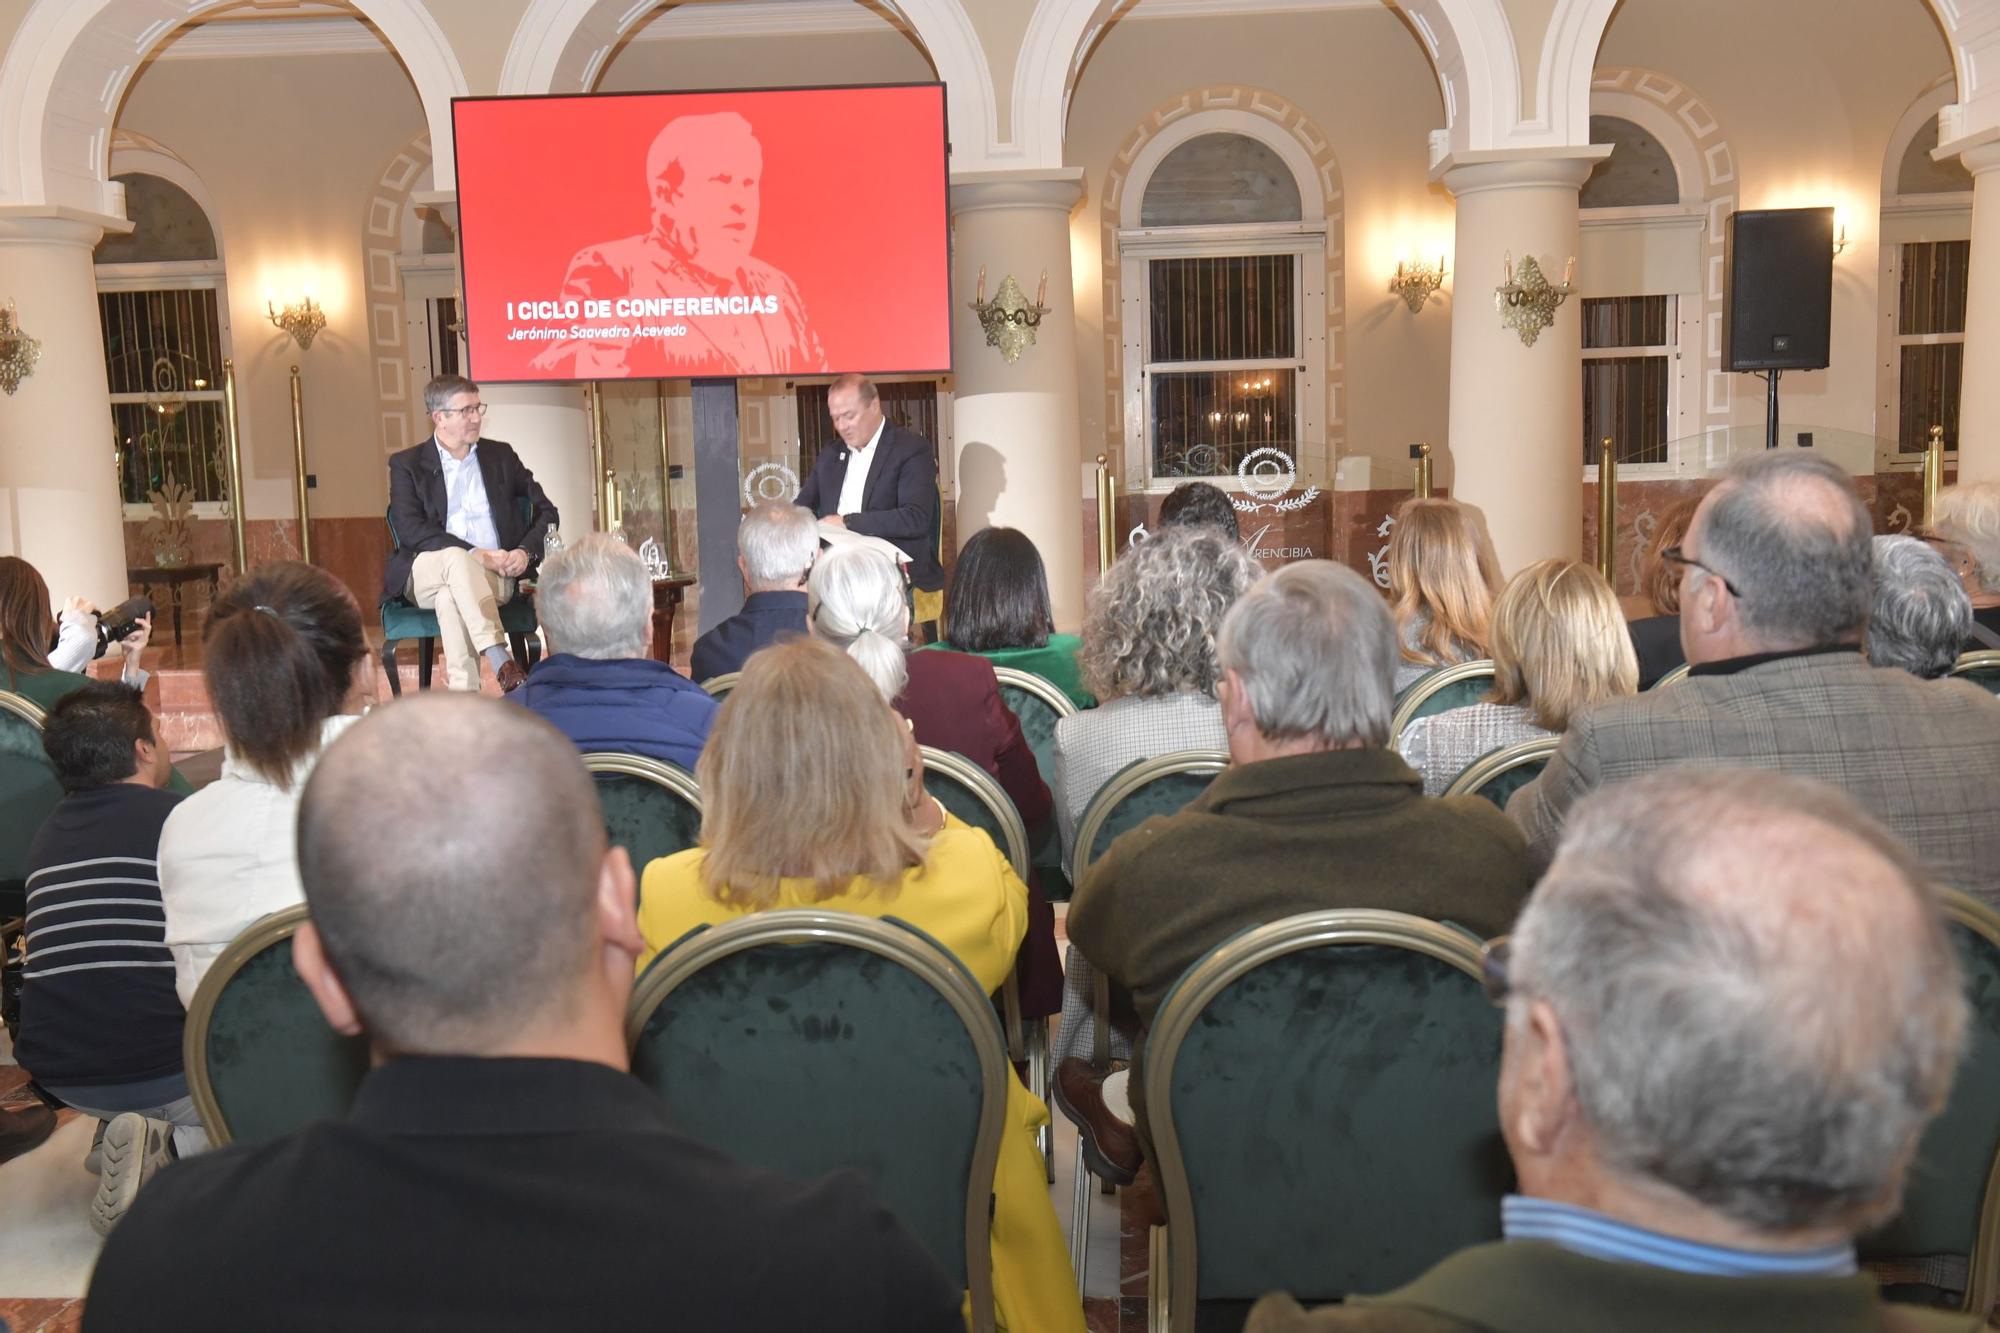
(680, 235)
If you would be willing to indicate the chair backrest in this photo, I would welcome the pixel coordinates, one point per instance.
(651, 809)
(261, 1060)
(1981, 668)
(1344, 1154)
(28, 792)
(1679, 673)
(1500, 773)
(807, 1041)
(1455, 686)
(976, 797)
(1951, 1199)
(718, 686)
(1039, 705)
(1137, 792)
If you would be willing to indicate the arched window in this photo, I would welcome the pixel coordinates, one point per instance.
(1927, 249)
(1222, 246)
(1640, 172)
(165, 319)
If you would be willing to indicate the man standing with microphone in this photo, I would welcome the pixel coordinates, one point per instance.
(882, 483)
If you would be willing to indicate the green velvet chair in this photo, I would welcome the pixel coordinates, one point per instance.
(261, 1060)
(1498, 774)
(1950, 1223)
(1040, 705)
(651, 809)
(1981, 668)
(718, 687)
(806, 1041)
(403, 620)
(28, 792)
(1321, 1096)
(1448, 687)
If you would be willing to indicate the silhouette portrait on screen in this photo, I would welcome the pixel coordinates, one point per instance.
(704, 175)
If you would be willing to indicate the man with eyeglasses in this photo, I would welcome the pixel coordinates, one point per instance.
(469, 519)
(1777, 583)
(1731, 1010)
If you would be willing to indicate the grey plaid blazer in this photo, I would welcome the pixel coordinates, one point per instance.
(1923, 756)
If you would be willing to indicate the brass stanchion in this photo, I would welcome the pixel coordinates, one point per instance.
(596, 403)
(1107, 515)
(666, 479)
(1607, 511)
(1933, 473)
(235, 462)
(299, 466)
(1422, 479)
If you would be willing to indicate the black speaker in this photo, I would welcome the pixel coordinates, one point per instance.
(1778, 266)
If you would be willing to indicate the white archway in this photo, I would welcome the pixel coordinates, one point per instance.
(561, 46)
(69, 64)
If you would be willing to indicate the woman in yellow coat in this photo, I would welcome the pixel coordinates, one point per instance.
(812, 796)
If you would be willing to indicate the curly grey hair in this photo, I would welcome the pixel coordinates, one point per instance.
(1922, 612)
(1155, 614)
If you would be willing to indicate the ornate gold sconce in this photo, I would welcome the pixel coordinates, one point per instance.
(1415, 282)
(1527, 301)
(303, 319)
(18, 352)
(1009, 320)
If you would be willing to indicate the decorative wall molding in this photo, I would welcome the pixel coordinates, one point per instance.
(389, 200)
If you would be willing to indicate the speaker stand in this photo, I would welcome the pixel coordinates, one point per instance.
(1770, 407)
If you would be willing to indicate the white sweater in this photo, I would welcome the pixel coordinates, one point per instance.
(229, 855)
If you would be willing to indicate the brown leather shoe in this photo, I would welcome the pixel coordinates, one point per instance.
(24, 1128)
(1110, 1145)
(1141, 1202)
(510, 676)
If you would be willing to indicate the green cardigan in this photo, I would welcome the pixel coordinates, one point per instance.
(45, 687)
(1534, 1287)
(1054, 662)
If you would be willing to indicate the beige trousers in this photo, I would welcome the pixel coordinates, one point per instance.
(466, 597)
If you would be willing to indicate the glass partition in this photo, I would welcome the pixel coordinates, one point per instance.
(633, 425)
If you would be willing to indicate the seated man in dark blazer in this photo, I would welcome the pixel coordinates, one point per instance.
(883, 483)
(454, 502)
(500, 1169)
(776, 545)
(1731, 1010)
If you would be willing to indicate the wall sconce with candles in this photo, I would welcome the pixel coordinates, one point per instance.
(18, 352)
(1527, 301)
(1839, 237)
(303, 320)
(1009, 320)
(1415, 281)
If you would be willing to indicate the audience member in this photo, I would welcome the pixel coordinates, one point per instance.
(287, 669)
(100, 1024)
(499, 1169)
(812, 796)
(1443, 575)
(1314, 812)
(1199, 503)
(1776, 585)
(998, 607)
(1149, 655)
(28, 628)
(1967, 523)
(775, 547)
(1559, 646)
(1922, 616)
(1731, 1009)
(598, 686)
(1656, 614)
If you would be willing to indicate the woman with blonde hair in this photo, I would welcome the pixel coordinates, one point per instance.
(1559, 646)
(812, 796)
(1442, 577)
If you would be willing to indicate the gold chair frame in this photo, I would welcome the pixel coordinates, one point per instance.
(676, 780)
(718, 686)
(21, 706)
(264, 933)
(937, 969)
(1175, 1247)
(1040, 687)
(1985, 659)
(1678, 674)
(1428, 685)
(1503, 760)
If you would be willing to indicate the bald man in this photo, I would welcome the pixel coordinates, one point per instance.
(1777, 582)
(1732, 1009)
(500, 1169)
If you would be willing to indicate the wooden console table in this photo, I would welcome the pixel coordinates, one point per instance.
(144, 577)
(668, 592)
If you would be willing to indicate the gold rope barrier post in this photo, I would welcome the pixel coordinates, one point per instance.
(1421, 482)
(299, 465)
(666, 481)
(1107, 515)
(1933, 474)
(1607, 511)
(597, 490)
(235, 462)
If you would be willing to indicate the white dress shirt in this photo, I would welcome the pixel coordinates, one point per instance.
(859, 461)
(468, 513)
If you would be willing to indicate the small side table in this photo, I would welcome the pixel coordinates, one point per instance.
(144, 579)
(668, 590)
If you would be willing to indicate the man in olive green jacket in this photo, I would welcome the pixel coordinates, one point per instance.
(1731, 1010)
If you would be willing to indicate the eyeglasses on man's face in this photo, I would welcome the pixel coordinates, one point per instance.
(470, 412)
(1675, 556)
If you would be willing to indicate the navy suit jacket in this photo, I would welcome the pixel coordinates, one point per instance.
(899, 503)
(418, 507)
(728, 644)
(630, 705)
